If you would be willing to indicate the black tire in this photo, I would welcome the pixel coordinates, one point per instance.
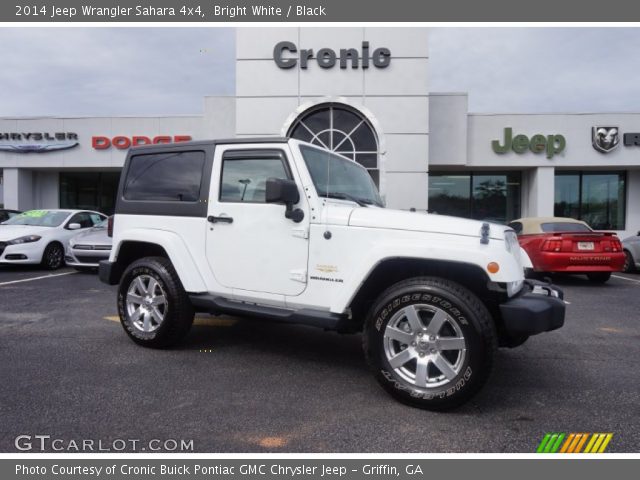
(464, 312)
(629, 264)
(53, 256)
(599, 277)
(177, 311)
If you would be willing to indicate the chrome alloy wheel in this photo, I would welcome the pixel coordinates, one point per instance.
(424, 345)
(146, 303)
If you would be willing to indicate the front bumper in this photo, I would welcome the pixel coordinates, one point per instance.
(539, 307)
(85, 258)
(24, 253)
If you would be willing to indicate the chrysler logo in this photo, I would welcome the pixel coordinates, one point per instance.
(38, 142)
(36, 147)
(605, 139)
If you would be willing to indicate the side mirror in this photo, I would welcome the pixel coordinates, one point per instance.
(281, 190)
(74, 226)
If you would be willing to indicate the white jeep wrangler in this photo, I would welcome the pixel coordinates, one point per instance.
(278, 229)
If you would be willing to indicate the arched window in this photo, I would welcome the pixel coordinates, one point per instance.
(341, 129)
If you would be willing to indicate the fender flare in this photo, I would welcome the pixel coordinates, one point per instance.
(177, 252)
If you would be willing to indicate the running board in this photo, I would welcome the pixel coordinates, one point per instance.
(306, 316)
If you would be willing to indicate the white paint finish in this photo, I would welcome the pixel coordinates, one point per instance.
(183, 238)
(407, 190)
(407, 153)
(400, 114)
(448, 129)
(263, 116)
(402, 41)
(264, 78)
(258, 252)
(317, 81)
(404, 76)
(335, 38)
(219, 117)
(258, 42)
(576, 128)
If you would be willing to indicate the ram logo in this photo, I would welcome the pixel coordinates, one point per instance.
(604, 139)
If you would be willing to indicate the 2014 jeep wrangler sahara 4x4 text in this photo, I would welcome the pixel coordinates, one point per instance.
(278, 229)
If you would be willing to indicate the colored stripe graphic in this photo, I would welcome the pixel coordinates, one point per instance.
(574, 442)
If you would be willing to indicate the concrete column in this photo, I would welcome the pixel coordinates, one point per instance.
(18, 189)
(633, 204)
(541, 194)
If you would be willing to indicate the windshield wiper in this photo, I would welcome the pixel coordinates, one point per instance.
(345, 196)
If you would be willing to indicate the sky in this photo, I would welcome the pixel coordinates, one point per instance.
(155, 71)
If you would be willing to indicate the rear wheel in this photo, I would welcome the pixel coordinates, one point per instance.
(629, 264)
(430, 342)
(53, 256)
(599, 277)
(154, 309)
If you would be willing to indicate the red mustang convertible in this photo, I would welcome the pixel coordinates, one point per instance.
(567, 245)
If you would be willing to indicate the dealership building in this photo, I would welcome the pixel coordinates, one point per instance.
(362, 92)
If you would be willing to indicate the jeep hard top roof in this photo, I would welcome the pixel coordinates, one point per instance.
(203, 143)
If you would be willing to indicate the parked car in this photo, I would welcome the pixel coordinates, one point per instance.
(39, 236)
(85, 250)
(7, 214)
(631, 246)
(557, 244)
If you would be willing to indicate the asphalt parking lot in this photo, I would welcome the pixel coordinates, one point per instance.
(68, 370)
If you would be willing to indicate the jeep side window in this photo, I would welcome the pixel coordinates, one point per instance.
(173, 176)
(244, 175)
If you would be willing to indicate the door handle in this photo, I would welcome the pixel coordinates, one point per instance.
(213, 219)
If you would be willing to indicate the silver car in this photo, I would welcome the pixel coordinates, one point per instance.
(85, 250)
(631, 247)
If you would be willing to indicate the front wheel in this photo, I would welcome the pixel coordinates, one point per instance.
(53, 256)
(154, 309)
(599, 277)
(430, 342)
(629, 264)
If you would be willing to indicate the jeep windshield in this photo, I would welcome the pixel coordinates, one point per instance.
(337, 177)
(39, 218)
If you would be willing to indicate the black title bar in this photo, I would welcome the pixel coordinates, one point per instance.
(204, 11)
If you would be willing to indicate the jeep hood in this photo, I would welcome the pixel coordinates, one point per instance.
(385, 218)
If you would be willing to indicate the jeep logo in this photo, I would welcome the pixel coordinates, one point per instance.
(284, 56)
(551, 144)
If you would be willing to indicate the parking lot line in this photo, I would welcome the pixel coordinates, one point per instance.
(36, 278)
(625, 278)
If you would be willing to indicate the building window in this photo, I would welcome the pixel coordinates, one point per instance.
(89, 191)
(490, 196)
(597, 198)
(340, 129)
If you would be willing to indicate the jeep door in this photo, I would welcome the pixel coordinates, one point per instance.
(251, 246)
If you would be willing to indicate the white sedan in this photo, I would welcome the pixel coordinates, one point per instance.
(40, 236)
